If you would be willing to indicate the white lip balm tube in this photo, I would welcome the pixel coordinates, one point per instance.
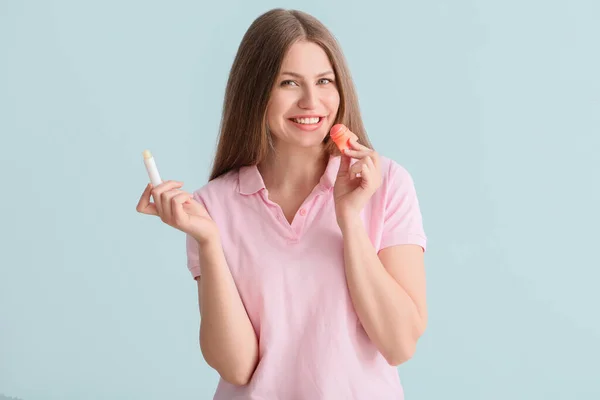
(151, 168)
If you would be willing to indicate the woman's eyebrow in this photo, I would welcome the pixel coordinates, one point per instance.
(294, 74)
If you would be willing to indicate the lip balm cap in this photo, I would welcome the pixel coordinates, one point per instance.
(337, 130)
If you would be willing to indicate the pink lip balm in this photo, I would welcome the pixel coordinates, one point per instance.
(342, 136)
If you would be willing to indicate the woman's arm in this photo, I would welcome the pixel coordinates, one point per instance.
(388, 292)
(387, 289)
(227, 338)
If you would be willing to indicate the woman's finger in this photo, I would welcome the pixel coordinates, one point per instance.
(144, 206)
(165, 200)
(144, 198)
(355, 145)
(358, 154)
(344, 165)
(365, 174)
(375, 156)
(157, 193)
(356, 169)
(179, 216)
(368, 170)
(371, 174)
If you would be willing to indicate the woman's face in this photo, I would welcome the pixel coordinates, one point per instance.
(305, 99)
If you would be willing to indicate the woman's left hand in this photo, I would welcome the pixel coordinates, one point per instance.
(356, 183)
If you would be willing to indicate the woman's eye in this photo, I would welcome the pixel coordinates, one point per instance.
(325, 80)
(288, 83)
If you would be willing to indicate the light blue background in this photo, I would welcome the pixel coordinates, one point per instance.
(494, 107)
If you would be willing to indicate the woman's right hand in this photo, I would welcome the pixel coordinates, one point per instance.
(178, 209)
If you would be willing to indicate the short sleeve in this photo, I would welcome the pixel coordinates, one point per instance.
(193, 256)
(402, 220)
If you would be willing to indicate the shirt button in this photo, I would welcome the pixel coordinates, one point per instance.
(303, 212)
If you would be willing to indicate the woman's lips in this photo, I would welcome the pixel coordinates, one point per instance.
(308, 127)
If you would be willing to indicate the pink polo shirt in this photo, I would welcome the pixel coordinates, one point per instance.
(292, 282)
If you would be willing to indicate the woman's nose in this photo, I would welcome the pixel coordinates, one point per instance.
(309, 99)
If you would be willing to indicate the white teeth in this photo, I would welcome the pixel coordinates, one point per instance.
(306, 120)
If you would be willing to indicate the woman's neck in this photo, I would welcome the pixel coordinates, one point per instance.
(296, 170)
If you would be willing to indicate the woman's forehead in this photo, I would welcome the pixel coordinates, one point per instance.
(306, 59)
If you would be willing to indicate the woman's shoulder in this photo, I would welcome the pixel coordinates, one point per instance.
(396, 178)
(219, 187)
(392, 170)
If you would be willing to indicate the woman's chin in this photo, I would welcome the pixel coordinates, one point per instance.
(301, 143)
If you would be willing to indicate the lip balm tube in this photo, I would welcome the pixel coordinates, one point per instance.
(342, 136)
(151, 168)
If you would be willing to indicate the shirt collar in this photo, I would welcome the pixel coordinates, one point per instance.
(250, 180)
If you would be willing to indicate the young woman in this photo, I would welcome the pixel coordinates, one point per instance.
(309, 262)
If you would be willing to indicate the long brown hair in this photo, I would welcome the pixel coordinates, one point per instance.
(243, 138)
